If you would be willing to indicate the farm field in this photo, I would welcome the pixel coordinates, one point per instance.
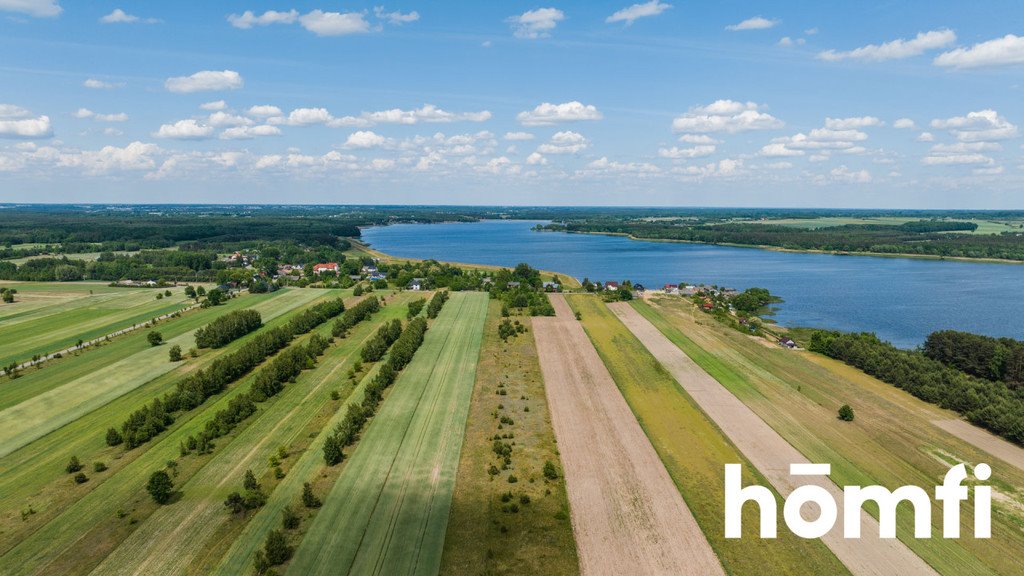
(984, 226)
(387, 512)
(892, 442)
(694, 451)
(174, 539)
(627, 515)
(770, 453)
(34, 476)
(49, 317)
(490, 529)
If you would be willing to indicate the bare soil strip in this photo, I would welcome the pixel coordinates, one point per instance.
(772, 455)
(627, 515)
(994, 445)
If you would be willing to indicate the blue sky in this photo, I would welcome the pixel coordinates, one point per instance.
(823, 104)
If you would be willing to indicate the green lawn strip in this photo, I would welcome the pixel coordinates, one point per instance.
(168, 541)
(239, 557)
(396, 488)
(64, 328)
(34, 475)
(695, 452)
(56, 372)
(43, 413)
(889, 444)
(483, 534)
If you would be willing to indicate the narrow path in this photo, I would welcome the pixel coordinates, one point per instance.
(771, 454)
(627, 514)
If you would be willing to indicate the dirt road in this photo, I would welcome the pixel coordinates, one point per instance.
(627, 515)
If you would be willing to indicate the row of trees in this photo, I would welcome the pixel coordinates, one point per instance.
(991, 405)
(436, 303)
(361, 311)
(148, 421)
(386, 335)
(356, 415)
(981, 356)
(228, 328)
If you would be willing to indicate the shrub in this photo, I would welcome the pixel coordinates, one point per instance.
(154, 338)
(98, 466)
(846, 413)
(81, 478)
(289, 519)
(113, 437)
(174, 353)
(550, 472)
(160, 487)
(309, 499)
(73, 465)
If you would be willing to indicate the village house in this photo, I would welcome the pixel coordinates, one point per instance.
(326, 267)
(671, 288)
(688, 290)
(611, 285)
(513, 285)
(416, 284)
(552, 287)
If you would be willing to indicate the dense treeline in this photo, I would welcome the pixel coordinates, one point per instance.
(991, 405)
(877, 238)
(228, 328)
(939, 226)
(356, 415)
(522, 288)
(361, 311)
(982, 356)
(148, 264)
(416, 306)
(436, 303)
(386, 335)
(193, 390)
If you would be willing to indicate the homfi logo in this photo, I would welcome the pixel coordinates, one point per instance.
(950, 494)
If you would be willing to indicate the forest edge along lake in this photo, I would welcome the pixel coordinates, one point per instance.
(900, 299)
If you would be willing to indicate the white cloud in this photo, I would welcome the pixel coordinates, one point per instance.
(548, 114)
(518, 136)
(205, 81)
(334, 23)
(925, 137)
(564, 143)
(221, 119)
(536, 159)
(12, 111)
(100, 84)
(723, 168)
(84, 113)
(676, 153)
(184, 130)
(396, 18)
(365, 139)
(249, 132)
(265, 111)
(37, 8)
(895, 49)
(247, 19)
(962, 147)
(851, 123)
(603, 164)
(1003, 51)
(725, 116)
(904, 123)
(698, 139)
(119, 16)
(956, 159)
(632, 13)
(755, 23)
(134, 156)
(537, 23)
(787, 41)
(216, 105)
(428, 113)
(25, 127)
(779, 150)
(983, 125)
(844, 174)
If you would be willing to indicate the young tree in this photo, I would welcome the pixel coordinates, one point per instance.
(73, 465)
(175, 353)
(846, 413)
(309, 499)
(332, 450)
(276, 548)
(190, 292)
(250, 483)
(113, 437)
(289, 519)
(201, 291)
(160, 487)
(154, 338)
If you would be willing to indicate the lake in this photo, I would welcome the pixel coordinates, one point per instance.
(900, 299)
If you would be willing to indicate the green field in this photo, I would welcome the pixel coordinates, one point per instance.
(46, 318)
(484, 535)
(694, 451)
(892, 442)
(387, 512)
(984, 226)
(66, 514)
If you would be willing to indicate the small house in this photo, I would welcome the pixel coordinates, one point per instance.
(611, 285)
(671, 288)
(639, 288)
(513, 285)
(787, 343)
(416, 284)
(552, 287)
(325, 267)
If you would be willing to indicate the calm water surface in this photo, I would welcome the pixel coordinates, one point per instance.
(902, 300)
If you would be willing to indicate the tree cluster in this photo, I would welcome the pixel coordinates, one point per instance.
(416, 306)
(981, 356)
(228, 328)
(436, 303)
(361, 311)
(386, 335)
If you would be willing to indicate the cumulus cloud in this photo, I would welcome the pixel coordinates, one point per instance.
(957, 159)
(16, 126)
(839, 135)
(334, 23)
(677, 153)
(397, 17)
(723, 168)
(1003, 51)
(265, 111)
(786, 41)
(548, 114)
(518, 136)
(537, 23)
(697, 139)
(851, 123)
(37, 8)
(100, 84)
(119, 16)
(536, 159)
(844, 174)
(428, 113)
(215, 105)
(84, 113)
(980, 126)
(365, 139)
(12, 111)
(604, 165)
(247, 19)
(925, 137)
(725, 116)
(564, 143)
(205, 81)
(184, 130)
(632, 13)
(895, 49)
(221, 119)
(134, 156)
(904, 124)
(755, 23)
(249, 132)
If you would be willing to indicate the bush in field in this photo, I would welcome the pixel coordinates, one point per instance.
(98, 466)
(113, 437)
(550, 472)
(160, 487)
(846, 413)
(174, 353)
(275, 551)
(228, 328)
(289, 519)
(81, 478)
(154, 338)
(73, 465)
(309, 499)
